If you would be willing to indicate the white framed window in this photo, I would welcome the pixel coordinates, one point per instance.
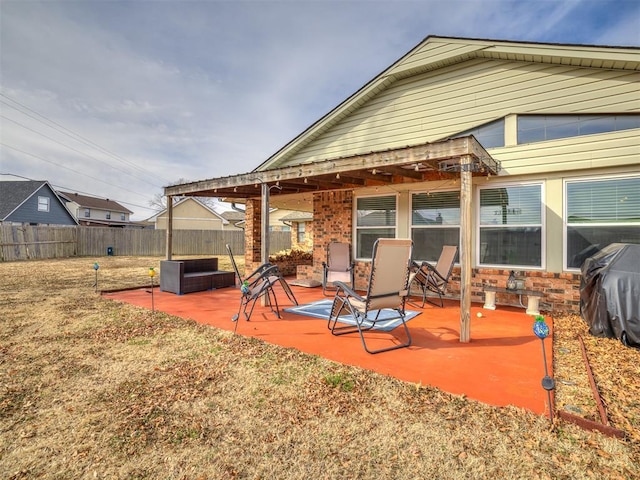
(87, 212)
(108, 215)
(599, 211)
(300, 231)
(510, 226)
(435, 222)
(44, 204)
(375, 217)
(123, 217)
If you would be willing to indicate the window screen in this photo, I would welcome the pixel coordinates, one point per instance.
(375, 218)
(600, 212)
(435, 222)
(511, 226)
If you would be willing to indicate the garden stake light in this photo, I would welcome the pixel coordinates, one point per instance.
(96, 267)
(152, 273)
(541, 329)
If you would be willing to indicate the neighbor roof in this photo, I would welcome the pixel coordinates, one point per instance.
(86, 201)
(297, 217)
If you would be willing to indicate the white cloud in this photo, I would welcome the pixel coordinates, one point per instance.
(203, 89)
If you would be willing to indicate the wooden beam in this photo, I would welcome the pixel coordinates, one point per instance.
(264, 229)
(367, 175)
(401, 172)
(428, 154)
(466, 185)
(169, 242)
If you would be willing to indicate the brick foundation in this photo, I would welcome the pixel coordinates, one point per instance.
(561, 291)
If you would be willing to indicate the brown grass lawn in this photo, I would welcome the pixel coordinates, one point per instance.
(91, 388)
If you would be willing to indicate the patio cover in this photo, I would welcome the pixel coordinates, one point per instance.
(445, 159)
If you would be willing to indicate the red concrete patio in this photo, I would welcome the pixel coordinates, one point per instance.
(502, 365)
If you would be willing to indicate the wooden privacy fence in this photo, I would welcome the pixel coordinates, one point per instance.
(23, 242)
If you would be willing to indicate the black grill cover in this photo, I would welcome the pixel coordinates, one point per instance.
(610, 293)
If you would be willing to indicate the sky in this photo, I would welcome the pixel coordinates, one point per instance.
(118, 99)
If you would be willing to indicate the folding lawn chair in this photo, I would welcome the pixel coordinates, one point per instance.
(339, 267)
(387, 289)
(256, 286)
(434, 279)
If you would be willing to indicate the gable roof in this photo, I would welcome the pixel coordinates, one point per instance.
(14, 193)
(438, 52)
(298, 217)
(86, 201)
(198, 202)
(233, 216)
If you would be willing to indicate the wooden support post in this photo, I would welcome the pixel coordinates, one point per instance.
(169, 246)
(466, 183)
(265, 224)
(265, 300)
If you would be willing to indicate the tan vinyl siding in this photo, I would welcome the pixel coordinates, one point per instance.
(589, 151)
(433, 55)
(438, 104)
(190, 215)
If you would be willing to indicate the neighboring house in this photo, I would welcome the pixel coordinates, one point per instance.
(277, 218)
(34, 202)
(97, 212)
(191, 214)
(234, 217)
(525, 155)
(301, 224)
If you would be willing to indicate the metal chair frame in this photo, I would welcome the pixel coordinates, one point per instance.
(434, 279)
(387, 289)
(343, 265)
(258, 284)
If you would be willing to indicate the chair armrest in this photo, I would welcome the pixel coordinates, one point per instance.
(348, 290)
(432, 269)
(263, 272)
(259, 271)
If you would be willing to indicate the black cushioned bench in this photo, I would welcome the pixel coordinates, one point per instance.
(193, 275)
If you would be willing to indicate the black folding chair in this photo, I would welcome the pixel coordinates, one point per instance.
(258, 284)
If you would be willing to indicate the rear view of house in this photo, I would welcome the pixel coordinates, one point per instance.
(549, 133)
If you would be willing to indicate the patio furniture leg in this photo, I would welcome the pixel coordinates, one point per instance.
(489, 300)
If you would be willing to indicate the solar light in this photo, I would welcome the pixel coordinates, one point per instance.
(541, 330)
(96, 267)
(152, 273)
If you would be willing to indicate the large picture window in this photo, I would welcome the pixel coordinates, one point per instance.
(511, 219)
(435, 222)
(538, 128)
(375, 218)
(600, 212)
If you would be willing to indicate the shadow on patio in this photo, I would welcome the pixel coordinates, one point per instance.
(502, 365)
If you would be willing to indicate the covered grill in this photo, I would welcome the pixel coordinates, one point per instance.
(610, 293)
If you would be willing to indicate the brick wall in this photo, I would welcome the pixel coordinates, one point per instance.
(332, 218)
(561, 291)
(332, 222)
(307, 245)
(253, 239)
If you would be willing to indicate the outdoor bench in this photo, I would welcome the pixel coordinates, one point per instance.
(533, 298)
(193, 275)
